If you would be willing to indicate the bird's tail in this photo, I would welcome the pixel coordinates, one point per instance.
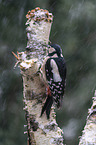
(47, 106)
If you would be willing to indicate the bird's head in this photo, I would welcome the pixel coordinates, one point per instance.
(54, 49)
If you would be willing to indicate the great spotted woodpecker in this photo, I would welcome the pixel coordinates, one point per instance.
(54, 74)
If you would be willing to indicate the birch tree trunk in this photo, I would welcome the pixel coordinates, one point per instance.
(40, 131)
(89, 132)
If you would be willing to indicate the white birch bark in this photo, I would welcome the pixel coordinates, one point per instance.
(40, 131)
(89, 133)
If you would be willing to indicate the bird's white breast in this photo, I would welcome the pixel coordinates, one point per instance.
(55, 71)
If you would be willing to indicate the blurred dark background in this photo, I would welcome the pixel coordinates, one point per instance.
(74, 29)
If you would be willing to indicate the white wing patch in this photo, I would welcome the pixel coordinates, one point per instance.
(55, 71)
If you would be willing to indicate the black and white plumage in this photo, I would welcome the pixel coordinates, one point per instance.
(54, 74)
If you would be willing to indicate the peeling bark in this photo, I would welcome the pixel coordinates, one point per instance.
(39, 130)
(89, 133)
